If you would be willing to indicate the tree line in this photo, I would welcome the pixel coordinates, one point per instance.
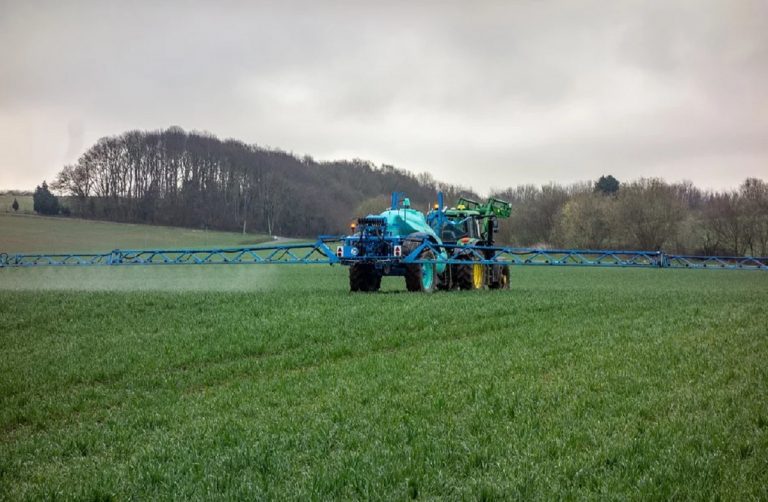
(644, 214)
(192, 179)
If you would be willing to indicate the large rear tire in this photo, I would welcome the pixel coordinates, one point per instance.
(422, 277)
(502, 278)
(470, 276)
(444, 280)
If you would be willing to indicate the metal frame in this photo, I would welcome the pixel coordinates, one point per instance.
(321, 252)
(315, 253)
(491, 255)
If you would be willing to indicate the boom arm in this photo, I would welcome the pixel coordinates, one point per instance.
(321, 252)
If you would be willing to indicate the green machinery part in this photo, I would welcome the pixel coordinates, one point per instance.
(493, 207)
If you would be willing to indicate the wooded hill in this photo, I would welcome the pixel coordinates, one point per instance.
(192, 179)
(196, 180)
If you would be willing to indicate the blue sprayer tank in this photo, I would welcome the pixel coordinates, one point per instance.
(405, 221)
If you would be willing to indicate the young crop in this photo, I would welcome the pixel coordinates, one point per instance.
(276, 382)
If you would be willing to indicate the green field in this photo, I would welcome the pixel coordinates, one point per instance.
(25, 233)
(274, 382)
(25, 204)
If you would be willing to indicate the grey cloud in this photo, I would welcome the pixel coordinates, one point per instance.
(570, 87)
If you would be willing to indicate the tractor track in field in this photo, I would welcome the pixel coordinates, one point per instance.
(242, 375)
(231, 378)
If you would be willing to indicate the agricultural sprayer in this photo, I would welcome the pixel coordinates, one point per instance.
(447, 248)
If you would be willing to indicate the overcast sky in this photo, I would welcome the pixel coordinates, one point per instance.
(485, 94)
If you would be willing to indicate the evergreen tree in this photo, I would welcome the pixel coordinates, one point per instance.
(607, 185)
(44, 202)
(15, 205)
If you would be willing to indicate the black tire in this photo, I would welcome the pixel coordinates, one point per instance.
(502, 277)
(364, 277)
(505, 277)
(357, 278)
(375, 281)
(444, 280)
(463, 274)
(466, 275)
(415, 280)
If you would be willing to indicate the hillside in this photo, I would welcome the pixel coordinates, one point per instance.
(196, 180)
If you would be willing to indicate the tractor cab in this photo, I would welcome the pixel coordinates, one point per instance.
(460, 225)
(469, 222)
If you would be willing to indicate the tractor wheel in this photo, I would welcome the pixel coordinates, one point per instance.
(375, 281)
(503, 278)
(364, 277)
(444, 280)
(470, 276)
(357, 278)
(422, 276)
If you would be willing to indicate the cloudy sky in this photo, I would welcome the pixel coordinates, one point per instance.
(485, 94)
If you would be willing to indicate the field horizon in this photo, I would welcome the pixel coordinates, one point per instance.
(27, 233)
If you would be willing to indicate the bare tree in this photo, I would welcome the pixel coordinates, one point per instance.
(647, 214)
(584, 222)
(723, 219)
(753, 206)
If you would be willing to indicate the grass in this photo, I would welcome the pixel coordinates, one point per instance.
(25, 233)
(270, 382)
(25, 204)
